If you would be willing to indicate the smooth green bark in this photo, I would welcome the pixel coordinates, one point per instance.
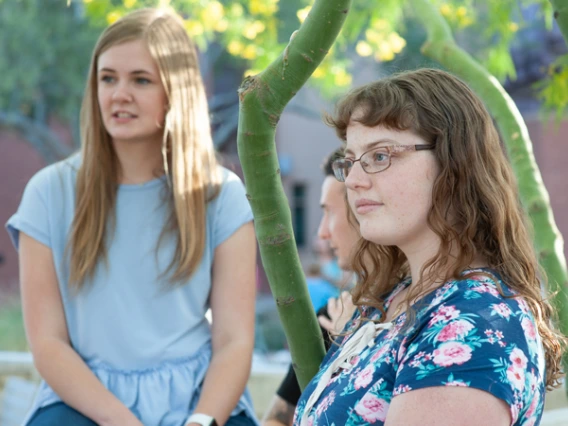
(441, 47)
(262, 100)
(561, 15)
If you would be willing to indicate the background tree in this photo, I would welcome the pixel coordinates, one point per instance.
(255, 31)
(44, 52)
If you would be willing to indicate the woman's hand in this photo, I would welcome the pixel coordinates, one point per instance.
(125, 418)
(340, 311)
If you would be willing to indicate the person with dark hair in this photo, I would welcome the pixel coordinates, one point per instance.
(452, 326)
(335, 229)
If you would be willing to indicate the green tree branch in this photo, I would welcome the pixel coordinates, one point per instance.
(561, 15)
(262, 100)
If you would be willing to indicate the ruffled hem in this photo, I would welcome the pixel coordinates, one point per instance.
(161, 396)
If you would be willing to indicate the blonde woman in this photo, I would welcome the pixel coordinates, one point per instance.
(465, 338)
(125, 246)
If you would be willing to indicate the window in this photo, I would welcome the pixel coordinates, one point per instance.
(299, 213)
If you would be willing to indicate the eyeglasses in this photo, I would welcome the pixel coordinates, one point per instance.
(374, 161)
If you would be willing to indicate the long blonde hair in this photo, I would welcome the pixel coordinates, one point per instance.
(189, 157)
(475, 202)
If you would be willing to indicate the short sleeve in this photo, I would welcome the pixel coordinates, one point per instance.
(232, 208)
(475, 339)
(32, 216)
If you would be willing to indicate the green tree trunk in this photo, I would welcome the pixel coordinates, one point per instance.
(561, 16)
(441, 47)
(262, 100)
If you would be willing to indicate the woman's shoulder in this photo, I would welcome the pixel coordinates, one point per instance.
(61, 171)
(480, 299)
(474, 287)
(230, 187)
(228, 176)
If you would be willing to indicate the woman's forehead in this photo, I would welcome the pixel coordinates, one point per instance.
(361, 138)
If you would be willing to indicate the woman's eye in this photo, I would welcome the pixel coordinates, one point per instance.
(142, 81)
(107, 79)
(380, 157)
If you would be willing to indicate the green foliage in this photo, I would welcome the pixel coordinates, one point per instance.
(554, 91)
(257, 31)
(12, 334)
(44, 54)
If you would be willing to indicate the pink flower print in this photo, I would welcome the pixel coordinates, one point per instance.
(439, 295)
(372, 408)
(532, 408)
(380, 352)
(401, 351)
(533, 381)
(502, 344)
(518, 358)
(401, 389)
(325, 403)
(457, 383)
(451, 353)
(364, 377)
(444, 313)
(354, 361)
(454, 330)
(514, 413)
(502, 310)
(528, 328)
(486, 288)
(516, 377)
(499, 334)
(523, 305)
(488, 332)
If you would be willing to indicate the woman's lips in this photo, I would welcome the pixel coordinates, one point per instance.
(364, 206)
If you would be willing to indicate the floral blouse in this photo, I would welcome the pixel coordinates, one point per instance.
(465, 334)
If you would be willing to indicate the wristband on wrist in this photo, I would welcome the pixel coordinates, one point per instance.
(201, 419)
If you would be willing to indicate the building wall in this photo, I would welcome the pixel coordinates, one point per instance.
(18, 163)
(551, 152)
(302, 144)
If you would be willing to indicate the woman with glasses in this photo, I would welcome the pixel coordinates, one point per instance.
(452, 328)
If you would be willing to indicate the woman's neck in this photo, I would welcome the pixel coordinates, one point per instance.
(420, 255)
(139, 162)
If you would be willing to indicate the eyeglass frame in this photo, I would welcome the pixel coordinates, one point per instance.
(391, 149)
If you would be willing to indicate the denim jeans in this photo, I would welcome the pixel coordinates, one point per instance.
(60, 414)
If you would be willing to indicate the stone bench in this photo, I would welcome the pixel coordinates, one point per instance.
(21, 378)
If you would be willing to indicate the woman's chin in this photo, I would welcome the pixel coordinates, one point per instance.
(376, 237)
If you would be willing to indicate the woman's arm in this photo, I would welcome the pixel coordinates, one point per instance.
(447, 406)
(232, 307)
(280, 413)
(46, 329)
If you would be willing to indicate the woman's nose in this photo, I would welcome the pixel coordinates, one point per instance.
(121, 94)
(357, 177)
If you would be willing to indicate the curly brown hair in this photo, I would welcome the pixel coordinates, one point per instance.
(475, 202)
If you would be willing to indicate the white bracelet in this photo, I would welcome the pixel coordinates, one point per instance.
(201, 419)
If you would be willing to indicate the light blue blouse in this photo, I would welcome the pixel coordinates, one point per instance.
(147, 342)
